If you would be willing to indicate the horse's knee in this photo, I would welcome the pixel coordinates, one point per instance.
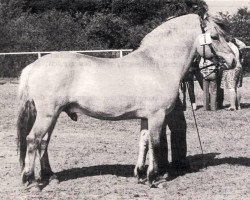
(143, 147)
(31, 144)
(42, 147)
(144, 139)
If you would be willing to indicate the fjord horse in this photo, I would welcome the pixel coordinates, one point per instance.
(142, 85)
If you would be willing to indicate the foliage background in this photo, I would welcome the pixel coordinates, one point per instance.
(48, 25)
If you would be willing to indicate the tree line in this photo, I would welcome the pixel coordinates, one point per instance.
(57, 25)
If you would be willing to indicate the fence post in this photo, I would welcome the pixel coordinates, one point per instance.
(39, 55)
(121, 54)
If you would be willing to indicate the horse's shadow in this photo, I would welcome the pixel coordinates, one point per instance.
(245, 105)
(74, 173)
(197, 162)
(200, 161)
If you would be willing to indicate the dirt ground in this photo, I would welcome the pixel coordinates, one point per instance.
(94, 159)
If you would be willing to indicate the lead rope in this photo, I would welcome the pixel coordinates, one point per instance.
(204, 51)
(197, 129)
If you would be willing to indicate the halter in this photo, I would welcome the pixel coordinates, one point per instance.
(218, 60)
(203, 26)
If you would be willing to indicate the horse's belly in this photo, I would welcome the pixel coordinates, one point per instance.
(109, 112)
(117, 108)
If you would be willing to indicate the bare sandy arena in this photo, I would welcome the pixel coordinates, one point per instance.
(95, 159)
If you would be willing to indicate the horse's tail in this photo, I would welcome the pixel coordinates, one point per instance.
(26, 115)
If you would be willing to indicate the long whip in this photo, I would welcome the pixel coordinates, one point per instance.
(197, 129)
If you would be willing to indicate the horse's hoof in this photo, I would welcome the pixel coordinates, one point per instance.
(162, 185)
(140, 173)
(24, 179)
(152, 176)
(33, 187)
(28, 177)
(160, 182)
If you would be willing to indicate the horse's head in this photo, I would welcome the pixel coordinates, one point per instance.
(212, 44)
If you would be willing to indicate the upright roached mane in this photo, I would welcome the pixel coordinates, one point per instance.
(143, 85)
(221, 27)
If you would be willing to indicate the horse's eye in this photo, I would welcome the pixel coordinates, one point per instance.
(215, 37)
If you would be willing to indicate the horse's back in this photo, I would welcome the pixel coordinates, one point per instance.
(52, 74)
(65, 75)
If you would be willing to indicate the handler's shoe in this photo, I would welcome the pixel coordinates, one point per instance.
(231, 109)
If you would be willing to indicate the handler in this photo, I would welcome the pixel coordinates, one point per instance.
(176, 122)
(188, 83)
(213, 95)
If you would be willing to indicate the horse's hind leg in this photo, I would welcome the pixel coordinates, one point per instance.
(42, 125)
(46, 173)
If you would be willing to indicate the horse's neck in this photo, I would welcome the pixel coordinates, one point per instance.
(172, 58)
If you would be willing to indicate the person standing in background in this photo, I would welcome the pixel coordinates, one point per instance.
(188, 83)
(232, 79)
(212, 97)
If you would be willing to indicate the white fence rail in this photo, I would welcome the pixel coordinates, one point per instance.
(40, 53)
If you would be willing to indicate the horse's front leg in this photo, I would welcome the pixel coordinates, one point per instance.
(163, 157)
(140, 170)
(157, 154)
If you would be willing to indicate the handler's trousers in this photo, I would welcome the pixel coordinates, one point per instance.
(177, 124)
